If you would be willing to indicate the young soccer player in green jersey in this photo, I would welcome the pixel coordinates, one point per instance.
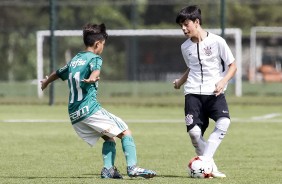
(89, 119)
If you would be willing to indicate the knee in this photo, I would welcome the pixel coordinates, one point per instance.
(195, 133)
(108, 139)
(124, 133)
(222, 123)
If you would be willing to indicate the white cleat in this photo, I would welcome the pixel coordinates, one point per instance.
(217, 174)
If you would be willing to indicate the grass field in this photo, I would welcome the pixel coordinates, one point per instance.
(150, 93)
(38, 145)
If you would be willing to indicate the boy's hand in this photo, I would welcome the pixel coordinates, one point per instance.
(90, 80)
(176, 84)
(44, 83)
(219, 87)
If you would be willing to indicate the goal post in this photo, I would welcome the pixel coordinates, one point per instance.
(235, 32)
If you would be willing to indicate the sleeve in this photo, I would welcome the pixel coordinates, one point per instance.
(63, 72)
(95, 64)
(184, 54)
(225, 52)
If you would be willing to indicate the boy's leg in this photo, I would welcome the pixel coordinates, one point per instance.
(197, 140)
(129, 149)
(106, 125)
(214, 141)
(216, 137)
(109, 153)
(111, 126)
(196, 122)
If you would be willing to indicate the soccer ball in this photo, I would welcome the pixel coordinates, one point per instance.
(197, 168)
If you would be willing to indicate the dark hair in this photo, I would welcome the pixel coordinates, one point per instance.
(190, 13)
(93, 33)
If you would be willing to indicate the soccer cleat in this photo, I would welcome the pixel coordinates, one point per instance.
(218, 174)
(215, 173)
(134, 171)
(111, 173)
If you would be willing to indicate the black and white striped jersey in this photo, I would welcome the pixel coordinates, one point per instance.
(208, 62)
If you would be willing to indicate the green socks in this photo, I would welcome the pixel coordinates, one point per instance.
(129, 149)
(109, 153)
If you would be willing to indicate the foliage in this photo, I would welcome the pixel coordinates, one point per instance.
(246, 16)
(18, 38)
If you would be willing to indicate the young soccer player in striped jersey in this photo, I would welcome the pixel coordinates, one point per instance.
(88, 118)
(210, 65)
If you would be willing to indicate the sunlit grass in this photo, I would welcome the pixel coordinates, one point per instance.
(51, 152)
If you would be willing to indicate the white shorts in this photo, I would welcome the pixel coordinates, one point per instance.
(99, 124)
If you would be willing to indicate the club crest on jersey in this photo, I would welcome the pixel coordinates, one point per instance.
(208, 51)
(189, 119)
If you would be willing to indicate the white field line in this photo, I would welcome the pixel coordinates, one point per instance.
(65, 121)
(34, 121)
(267, 118)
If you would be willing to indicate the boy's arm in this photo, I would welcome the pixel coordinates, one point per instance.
(48, 79)
(93, 77)
(179, 82)
(219, 87)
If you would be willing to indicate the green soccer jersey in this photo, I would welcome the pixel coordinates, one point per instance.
(83, 96)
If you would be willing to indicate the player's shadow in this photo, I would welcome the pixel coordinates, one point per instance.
(170, 176)
(52, 177)
(47, 177)
(158, 176)
(85, 176)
